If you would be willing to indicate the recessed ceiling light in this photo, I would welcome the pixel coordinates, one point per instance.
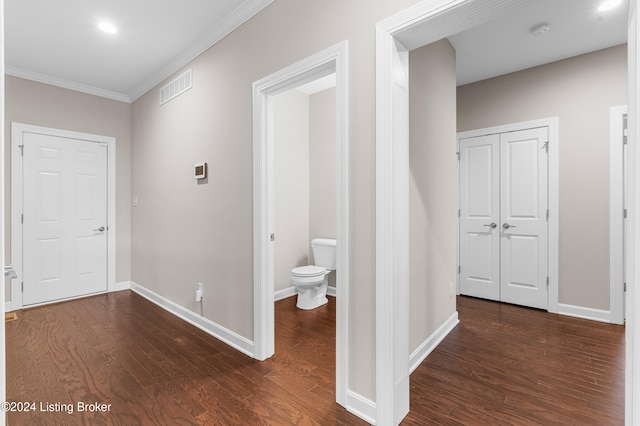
(107, 27)
(609, 4)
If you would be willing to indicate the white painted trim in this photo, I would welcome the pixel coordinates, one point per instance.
(632, 330)
(553, 192)
(423, 351)
(232, 339)
(66, 84)
(17, 131)
(123, 285)
(3, 238)
(284, 293)
(362, 407)
(291, 291)
(333, 59)
(616, 215)
(7, 306)
(584, 313)
(245, 11)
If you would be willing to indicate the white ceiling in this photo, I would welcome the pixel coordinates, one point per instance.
(57, 42)
(506, 45)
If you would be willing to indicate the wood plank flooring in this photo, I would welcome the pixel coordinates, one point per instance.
(508, 365)
(154, 369)
(502, 365)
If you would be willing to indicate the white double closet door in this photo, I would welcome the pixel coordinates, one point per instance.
(504, 217)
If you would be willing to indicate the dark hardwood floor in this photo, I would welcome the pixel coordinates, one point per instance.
(508, 365)
(501, 365)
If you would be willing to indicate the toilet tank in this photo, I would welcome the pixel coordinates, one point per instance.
(324, 252)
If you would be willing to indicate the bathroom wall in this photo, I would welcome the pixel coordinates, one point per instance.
(291, 184)
(305, 178)
(433, 188)
(322, 166)
(29, 102)
(580, 91)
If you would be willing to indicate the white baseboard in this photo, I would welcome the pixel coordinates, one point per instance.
(291, 291)
(232, 339)
(284, 293)
(584, 313)
(123, 285)
(420, 354)
(362, 407)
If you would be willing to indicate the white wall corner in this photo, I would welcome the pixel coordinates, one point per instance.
(584, 313)
(361, 407)
(7, 306)
(229, 337)
(423, 351)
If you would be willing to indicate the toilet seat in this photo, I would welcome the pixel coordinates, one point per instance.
(308, 271)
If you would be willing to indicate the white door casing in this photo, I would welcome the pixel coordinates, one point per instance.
(479, 246)
(523, 217)
(65, 218)
(19, 179)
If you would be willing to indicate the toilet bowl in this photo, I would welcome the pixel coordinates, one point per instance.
(311, 281)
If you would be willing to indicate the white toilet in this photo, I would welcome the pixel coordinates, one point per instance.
(311, 281)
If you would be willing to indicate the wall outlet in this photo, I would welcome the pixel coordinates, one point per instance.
(199, 292)
(451, 290)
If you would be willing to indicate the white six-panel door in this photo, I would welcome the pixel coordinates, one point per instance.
(503, 217)
(65, 218)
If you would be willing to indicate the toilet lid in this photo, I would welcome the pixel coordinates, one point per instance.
(308, 271)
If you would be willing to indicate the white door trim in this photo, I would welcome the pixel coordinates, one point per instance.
(632, 376)
(553, 196)
(333, 59)
(17, 132)
(616, 216)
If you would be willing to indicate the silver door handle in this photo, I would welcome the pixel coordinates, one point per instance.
(10, 272)
(101, 229)
(507, 226)
(492, 225)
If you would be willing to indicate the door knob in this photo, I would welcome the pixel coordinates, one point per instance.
(507, 226)
(492, 225)
(101, 229)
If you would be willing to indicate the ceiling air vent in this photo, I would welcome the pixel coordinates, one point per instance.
(176, 87)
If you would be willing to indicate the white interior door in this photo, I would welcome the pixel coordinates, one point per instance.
(503, 217)
(64, 218)
(479, 217)
(523, 217)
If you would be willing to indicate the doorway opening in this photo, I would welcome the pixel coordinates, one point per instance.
(417, 26)
(330, 61)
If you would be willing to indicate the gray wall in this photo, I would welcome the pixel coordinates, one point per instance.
(291, 184)
(433, 188)
(580, 91)
(39, 104)
(185, 233)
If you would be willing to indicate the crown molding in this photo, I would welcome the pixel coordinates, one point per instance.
(233, 20)
(65, 84)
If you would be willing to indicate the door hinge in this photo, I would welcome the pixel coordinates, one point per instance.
(459, 269)
(459, 212)
(624, 136)
(547, 215)
(624, 213)
(22, 218)
(458, 155)
(272, 237)
(21, 150)
(22, 286)
(546, 146)
(547, 281)
(624, 286)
